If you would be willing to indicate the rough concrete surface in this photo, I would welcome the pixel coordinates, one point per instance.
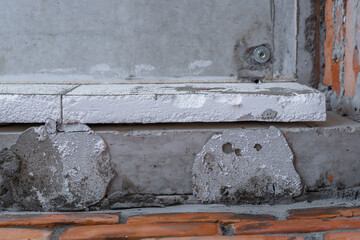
(326, 158)
(245, 165)
(60, 171)
(163, 160)
(164, 154)
(344, 105)
(9, 168)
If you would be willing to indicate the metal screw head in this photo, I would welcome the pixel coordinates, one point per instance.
(261, 54)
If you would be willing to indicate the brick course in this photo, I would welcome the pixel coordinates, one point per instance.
(24, 234)
(139, 231)
(323, 213)
(330, 222)
(296, 226)
(52, 220)
(222, 218)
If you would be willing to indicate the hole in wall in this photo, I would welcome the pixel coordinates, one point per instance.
(227, 148)
(269, 114)
(257, 81)
(258, 147)
(224, 191)
(237, 152)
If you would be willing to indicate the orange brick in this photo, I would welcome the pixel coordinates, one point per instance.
(323, 213)
(296, 226)
(139, 231)
(342, 236)
(219, 217)
(24, 234)
(336, 85)
(51, 220)
(245, 237)
(330, 31)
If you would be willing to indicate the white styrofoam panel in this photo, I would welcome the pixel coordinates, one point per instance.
(165, 103)
(29, 108)
(31, 103)
(35, 89)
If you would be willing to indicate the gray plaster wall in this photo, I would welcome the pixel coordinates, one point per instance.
(113, 40)
(153, 162)
(124, 38)
(306, 45)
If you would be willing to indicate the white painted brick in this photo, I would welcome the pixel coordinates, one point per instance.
(152, 103)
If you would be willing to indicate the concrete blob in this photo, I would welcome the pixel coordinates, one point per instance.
(9, 168)
(60, 171)
(246, 165)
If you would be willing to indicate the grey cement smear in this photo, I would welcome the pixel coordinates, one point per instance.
(60, 170)
(241, 165)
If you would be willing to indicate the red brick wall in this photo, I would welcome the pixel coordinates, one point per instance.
(342, 19)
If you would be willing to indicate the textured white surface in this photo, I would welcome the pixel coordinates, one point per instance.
(31, 103)
(29, 108)
(35, 89)
(156, 103)
(161, 103)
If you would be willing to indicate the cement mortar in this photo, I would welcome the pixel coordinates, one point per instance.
(343, 105)
(329, 159)
(245, 165)
(326, 158)
(60, 170)
(9, 168)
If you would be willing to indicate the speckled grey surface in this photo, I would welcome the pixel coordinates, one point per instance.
(60, 171)
(245, 164)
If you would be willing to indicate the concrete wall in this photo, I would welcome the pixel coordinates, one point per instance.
(341, 78)
(307, 69)
(124, 40)
(81, 41)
